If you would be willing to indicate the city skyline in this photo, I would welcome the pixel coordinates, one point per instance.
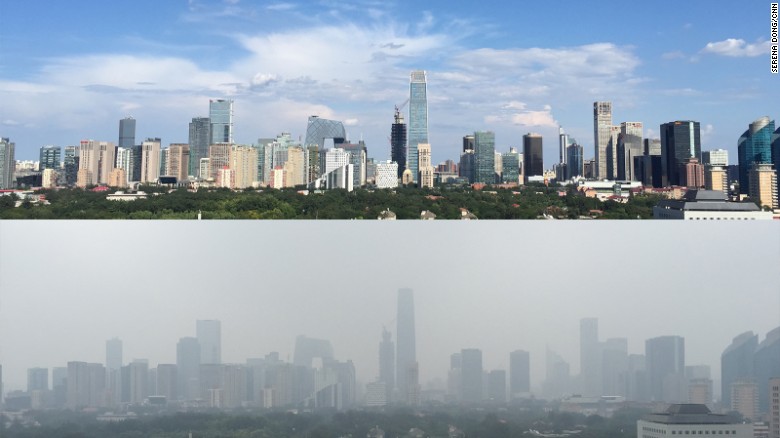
(263, 310)
(484, 73)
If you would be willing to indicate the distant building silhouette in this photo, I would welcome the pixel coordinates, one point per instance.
(665, 364)
(519, 374)
(406, 350)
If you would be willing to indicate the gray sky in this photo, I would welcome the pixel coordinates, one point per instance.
(66, 287)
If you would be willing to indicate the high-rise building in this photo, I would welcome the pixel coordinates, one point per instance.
(358, 155)
(468, 143)
(614, 367)
(387, 175)
(766, 365)
(167, 381)
(510, 167)
(575, 164)
(243, 161)
(700, 391)
(519, 374)
(590, 356)
(138, 371)
(406, 350)
(563, 143)
(150, 160)
(496, 386)
(418, 119)
(219, 158)
(49, 157)
(680, 141)
(199, 141)
(221, 121)
(693, 174)
(716, 178)
(178, 162)
(86, 385)
(736, 363)
(97, 158)
(602, 125)
(387, 364)
(37, 379)
(532, 155)
(209, 333)
(71, 164)
(398, 141)
(188, 366)
(466, 166)
(113, 354)
(715, 157)
(425, 177)
(126, 132)
(665, 365)
(774, 407)
(744, 399)
(484, 157)
(318, 130)
(754, 147)
(629, 147)
(763, 185)
(471, 375)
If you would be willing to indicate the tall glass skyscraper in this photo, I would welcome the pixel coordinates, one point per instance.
(221, 117)
(418, 119)
(754, 147)
(49, 157)
(602, 126)
(680, 141)
(532, 155)
(485, 157)
(406, 350)
(200, 135)
(126, 132)
(398, 142)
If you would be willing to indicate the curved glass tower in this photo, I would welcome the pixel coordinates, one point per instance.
(418, 119)
(754, 147)
(320, 129)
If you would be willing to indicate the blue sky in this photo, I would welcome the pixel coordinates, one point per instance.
(71, 70)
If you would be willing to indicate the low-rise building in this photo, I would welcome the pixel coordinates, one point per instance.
(691, 419)
(708, 205)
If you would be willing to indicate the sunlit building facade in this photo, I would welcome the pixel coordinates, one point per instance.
(418, 118)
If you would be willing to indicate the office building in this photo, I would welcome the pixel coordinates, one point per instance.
(519, 374)
(70, 164)
(736, 363)
(700, 391)
(716, 178)
(425, 176)
(37, 379)
(387, 364)
(510, 167)
(629, 146)
(484, 157)
(563, 143)
(418, 119)
(614, 367)
(167, 379)
(774, 407)
(357, 158)
(715, 157)
(471, 375)
(126, 132)
(532, 155)
(219, 158)
(744, 399)
(693, 174)
(766, 365)
(590, 357)
(754, 147)
(763, 185)
(665, 365)
(496, 386)
(243, 163)
(602, 126)
(150, 160)
(406, 350)
(398, 142)
(467, 166)
(699, 204)
(295, 167)
(209, 334)
(318, 130)
(691, 419)
(575, 163)
(221, 121)
(680, 141)
(387, 175)
(178, 162)
(188, 354)
(199, 141)
(86, 384)
(97, 159)
(49, 158)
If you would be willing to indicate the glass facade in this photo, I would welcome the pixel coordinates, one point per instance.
(754, 147)
(71, 164)
(418, 119)
(221, 116)
(680, 141)
(574, 161)
(200, 135)
(532, 154)
(484, 157)
(319, 129)
(126, 132)
(398, 142)
(49, 157)
(511, 167)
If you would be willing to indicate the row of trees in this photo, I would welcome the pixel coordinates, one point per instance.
(529, 202)
(443, 422)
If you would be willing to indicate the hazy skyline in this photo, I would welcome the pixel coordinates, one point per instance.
(67, 287)
(510, 67)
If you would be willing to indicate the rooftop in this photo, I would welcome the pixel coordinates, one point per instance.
(689, 414)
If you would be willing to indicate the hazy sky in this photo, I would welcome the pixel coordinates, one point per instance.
(67, 287)
(70, 71)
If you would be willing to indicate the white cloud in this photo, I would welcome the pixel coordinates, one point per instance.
(736, 47)
(351, 122)
(535, 118)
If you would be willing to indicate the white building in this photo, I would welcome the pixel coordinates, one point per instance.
(708, 205)
(690, 419)
(386, 175)
(715, 157)
(341, 178)
(334, 159)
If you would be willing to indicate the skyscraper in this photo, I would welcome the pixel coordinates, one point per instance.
(519, 373)
(71, 164)
(199, 141)
(574, 161)
(387, 364)
(471, 375)
(7, 163)
(425, 177)
(766, 365)
(97, 160)
(126, 132)
(150, 160)
(209, 333)
(418, 119)
(113, 354)
(680, 141)
(188, 367)
(511, 163)
(406, 350)
(563, 143)
(532, 155)
(221, 121)
(629, 148)
(49, 158)
(398, 141)
(754, 147)
(602, 126)
(665, 366)
(484, 157)
(763, 185)
(590, 356)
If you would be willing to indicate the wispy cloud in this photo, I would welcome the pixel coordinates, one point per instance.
(736, 47)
